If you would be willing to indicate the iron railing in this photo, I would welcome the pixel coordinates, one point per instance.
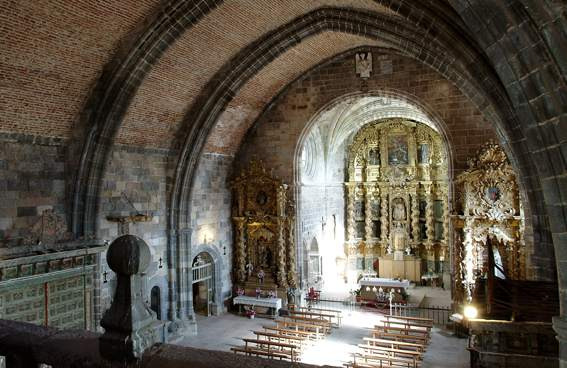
(439, 315)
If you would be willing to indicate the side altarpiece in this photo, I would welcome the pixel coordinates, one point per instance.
(487, 205)
(263, 220)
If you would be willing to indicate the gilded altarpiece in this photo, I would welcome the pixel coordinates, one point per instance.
(263, 220)
(487, 205)
(397, 200)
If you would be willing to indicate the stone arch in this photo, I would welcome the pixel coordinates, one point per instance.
(205, 112)
(155, 301)
(218, 265)
(415, 110)
(429, 25)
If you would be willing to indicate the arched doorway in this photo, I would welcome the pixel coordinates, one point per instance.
(203, 284)
(155, 301)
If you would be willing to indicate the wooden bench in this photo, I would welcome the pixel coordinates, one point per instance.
(400, 337)
(378, 360)
(403, 330)
(288, 332)
(395, 344)
(315, 330)
(321, 316)
(408, 325)
(260, 352)
(279, 348)
(294, 340)
(425, 321)
(396, 353)
(337, 313)
(326, 325)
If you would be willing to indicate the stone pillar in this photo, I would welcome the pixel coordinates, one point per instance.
(350, 191)
(240, 266)
(184, 291)
(130, 325)
(384, 210)
(560, 327)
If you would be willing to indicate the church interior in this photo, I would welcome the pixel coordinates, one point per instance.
(357, 183)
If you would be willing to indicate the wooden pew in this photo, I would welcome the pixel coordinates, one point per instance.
(321, 316)
(326, 325)
(396, 353)
(418, 320)
(269, 348)
(402, 330)
(295, 340)
(408, 325)
(337, 313)
(316, 330)
(260, 352)
(383, 360)
(288, 332)
(395, 344)
(400, 337)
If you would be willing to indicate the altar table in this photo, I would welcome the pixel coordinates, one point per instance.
(274, 304)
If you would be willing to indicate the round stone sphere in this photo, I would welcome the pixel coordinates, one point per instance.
(128, 255)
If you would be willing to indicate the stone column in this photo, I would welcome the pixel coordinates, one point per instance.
(240, 266)
(184, 275)
(350, 190)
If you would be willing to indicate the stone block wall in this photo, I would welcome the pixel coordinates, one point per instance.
(211, 211)
(135, 181)
(32, 180)
(276, 133)
(282, 124)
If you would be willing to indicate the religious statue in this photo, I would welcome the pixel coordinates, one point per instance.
(249, 269)
(363, 64)
(399, 211)
(261, 275)
(373, 157)
(399, 238)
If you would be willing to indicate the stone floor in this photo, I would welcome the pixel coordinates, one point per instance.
(223, 332)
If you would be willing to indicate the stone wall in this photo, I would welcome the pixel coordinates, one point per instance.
(211, 210)
(275, 135)
(32, 180)
(135, 181)
(283, 123)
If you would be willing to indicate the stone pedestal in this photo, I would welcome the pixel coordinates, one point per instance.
(130, 325)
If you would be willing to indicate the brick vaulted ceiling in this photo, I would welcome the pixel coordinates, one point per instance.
(54, 52)
(148, 73)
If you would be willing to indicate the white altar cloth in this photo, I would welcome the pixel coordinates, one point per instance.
(275, 303)
(383, 282)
